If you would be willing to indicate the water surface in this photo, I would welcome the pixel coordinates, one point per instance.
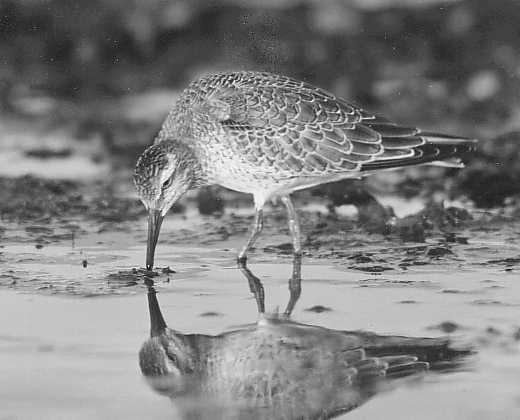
(70, 334)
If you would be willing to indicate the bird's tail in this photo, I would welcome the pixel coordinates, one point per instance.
(391, 359)
(440, 353)
(372, 369)
(422, 148)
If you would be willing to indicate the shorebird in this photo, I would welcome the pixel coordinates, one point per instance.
(270, 135)
(280, 369)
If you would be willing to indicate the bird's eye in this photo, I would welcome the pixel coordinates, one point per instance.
(167, 183)
(172, 357)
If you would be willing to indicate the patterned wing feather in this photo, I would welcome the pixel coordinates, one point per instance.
(295, 129)
(299, 129)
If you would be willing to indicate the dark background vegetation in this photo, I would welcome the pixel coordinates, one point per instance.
(451, 66)
(458, 57)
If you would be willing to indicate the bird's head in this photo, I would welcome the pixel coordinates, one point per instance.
(167, 359)
(166, 363)
(163, 173)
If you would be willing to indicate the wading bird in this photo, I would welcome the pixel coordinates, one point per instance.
(270, 135)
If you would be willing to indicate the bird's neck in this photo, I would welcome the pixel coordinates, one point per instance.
(189, 160)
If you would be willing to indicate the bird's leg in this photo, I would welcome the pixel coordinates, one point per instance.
(295, 288)
(257, 228)
(294, 224)
(256, 287)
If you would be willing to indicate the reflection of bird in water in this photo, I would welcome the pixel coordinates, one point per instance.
(279, 369)
(257, 289)
(269, 135)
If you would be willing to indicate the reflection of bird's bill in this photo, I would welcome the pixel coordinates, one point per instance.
(155, 219)
(157, 323)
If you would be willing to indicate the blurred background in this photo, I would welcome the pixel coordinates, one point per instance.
(418, 58)
(105, 72)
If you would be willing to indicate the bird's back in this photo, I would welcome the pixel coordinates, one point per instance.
(260, 131)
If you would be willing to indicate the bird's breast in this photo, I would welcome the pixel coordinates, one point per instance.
(224, 165)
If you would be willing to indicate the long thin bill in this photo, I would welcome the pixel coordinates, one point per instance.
(155, 219)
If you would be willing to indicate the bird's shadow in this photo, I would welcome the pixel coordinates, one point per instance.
(281, 369)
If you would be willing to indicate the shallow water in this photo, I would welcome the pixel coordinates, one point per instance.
(70, 334)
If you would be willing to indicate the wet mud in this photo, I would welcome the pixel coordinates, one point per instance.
(50, 221)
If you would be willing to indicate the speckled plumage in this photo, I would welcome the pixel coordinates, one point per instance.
(270, 135)
(265, 134)
(148, 166)
(172, 156)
